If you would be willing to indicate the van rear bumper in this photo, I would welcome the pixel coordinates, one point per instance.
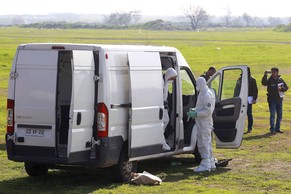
(45, 155)
(105, 154)
(108, 152)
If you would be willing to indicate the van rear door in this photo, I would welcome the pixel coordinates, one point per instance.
(146, 112)
(230, 85)
(35, 102)
(82, 106)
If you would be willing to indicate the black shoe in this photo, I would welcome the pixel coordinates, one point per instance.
(249, 131)
(272, 132)
(279, 131)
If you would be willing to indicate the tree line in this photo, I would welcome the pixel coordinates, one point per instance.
(193, 18)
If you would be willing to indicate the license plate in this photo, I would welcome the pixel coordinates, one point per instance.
(34, 132)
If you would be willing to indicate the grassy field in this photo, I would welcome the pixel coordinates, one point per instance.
(261, 165)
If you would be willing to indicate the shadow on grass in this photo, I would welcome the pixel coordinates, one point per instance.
(169, 169)
(175, 169)
(267, 135)
(191, 175)
(63, 181)
(2, 147)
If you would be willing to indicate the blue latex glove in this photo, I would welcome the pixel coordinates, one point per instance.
(192, 113)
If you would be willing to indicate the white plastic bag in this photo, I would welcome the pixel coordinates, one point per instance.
(145, 178)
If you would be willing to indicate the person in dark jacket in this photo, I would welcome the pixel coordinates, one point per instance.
(207, 75)
(275, 92)
(252, 97)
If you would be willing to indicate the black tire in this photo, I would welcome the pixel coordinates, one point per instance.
(124, 168)
(33, 169)
(197, 155)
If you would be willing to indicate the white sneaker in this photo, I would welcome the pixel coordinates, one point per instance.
(166, 147)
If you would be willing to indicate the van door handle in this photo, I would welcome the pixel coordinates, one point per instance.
(79, 118)
(161, 114)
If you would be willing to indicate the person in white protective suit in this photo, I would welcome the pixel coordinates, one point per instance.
(170, 76)
(204, 125)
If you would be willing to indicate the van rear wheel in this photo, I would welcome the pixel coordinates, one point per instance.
(124, 168)
(34, 169)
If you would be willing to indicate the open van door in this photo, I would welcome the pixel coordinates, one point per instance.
(230, 85)
(35, 102)
(82, 106)
(146, 112)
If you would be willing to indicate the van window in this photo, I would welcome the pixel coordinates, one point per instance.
(214, 86)
(188, 91)
(230, 84)
(187, 84)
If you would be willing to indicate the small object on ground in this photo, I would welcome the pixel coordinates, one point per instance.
(222, 163)
(145, 178)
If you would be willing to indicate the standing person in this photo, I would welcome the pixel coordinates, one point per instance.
(206, 75)
(170, 76)
(204, 124)
(275, 92)
(252, 97)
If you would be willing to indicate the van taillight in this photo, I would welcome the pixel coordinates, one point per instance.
(102, 120)
(10, 116)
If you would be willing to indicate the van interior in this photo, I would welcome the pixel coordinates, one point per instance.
(189, 97)
(64, 91)
(168, 61)
(189, 100)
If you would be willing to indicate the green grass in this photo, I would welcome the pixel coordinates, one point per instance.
(261, 165)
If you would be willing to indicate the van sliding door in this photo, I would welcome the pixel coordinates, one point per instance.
(146, 113)
(82, 106)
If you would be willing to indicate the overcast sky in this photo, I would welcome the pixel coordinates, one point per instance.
(260, 8)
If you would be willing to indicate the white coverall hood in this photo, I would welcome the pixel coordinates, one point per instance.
(170, 74)
(200, 83)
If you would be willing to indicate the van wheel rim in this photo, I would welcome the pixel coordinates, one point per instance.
(127, 167)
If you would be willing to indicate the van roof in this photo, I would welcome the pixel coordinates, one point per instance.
(68, 46)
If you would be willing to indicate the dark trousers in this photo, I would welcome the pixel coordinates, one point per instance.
(250, 117)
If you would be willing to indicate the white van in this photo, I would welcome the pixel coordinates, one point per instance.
(102, 105)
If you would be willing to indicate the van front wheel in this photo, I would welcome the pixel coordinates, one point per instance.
(124, 168)
(33, 169)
